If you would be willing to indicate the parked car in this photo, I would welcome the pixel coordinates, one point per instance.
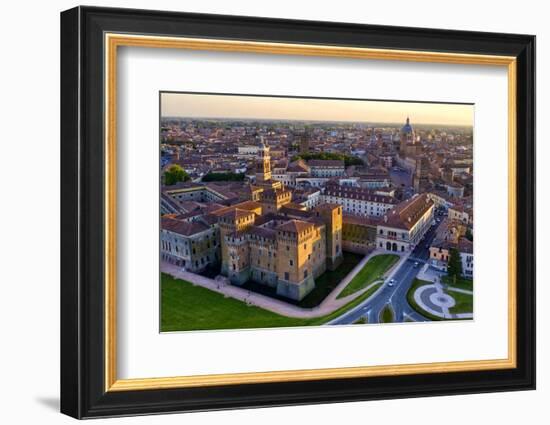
(416, 264)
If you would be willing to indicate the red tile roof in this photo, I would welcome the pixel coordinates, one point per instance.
(295, 226)
(406, 214)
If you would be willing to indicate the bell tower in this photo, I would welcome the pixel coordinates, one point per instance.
(263, 164)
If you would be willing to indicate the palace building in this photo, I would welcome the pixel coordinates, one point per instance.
(358, 201)
(405, 225)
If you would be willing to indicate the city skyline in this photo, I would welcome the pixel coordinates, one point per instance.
(246, 107)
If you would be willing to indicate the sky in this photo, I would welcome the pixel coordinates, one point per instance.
(187, 105)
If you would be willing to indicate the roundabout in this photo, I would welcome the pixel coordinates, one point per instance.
(432, 299)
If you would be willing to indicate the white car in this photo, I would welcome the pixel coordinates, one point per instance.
(391, 282)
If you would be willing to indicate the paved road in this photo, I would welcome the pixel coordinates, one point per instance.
(394, 296)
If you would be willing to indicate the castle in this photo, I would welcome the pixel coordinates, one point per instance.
(276, 243)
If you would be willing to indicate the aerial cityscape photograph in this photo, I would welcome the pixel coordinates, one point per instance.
(295, 211)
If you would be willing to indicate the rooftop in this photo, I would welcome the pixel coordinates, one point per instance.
(326, 163)
(182, 227)
(406, 214)
(295, 226)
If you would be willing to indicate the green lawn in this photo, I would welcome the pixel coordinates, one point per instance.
(329, 280)
(410, 298)
(464, 302)
(186, 307)
(386, 316)
(373, 270)
(461, 282)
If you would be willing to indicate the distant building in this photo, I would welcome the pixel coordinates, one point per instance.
(455, 190)
(326, 167)
(407, 141)
(461, 214)
(247, 151)
(421, 179)
(358, 201)
(375, 181)
(448, 237)
(304, 143)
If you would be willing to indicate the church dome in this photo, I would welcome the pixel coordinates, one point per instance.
(407, 128)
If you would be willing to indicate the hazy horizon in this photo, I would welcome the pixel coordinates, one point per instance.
(265, 108)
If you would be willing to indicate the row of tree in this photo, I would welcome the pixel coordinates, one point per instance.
(176, 174)
(348, 159)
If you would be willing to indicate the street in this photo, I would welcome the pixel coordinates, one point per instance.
(394, 296)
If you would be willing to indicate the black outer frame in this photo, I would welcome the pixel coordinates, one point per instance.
(82, 206)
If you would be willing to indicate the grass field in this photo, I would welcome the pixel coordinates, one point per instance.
(461, 282)
(386, 316)
(464, 302)
(186, 307)
(373, 270)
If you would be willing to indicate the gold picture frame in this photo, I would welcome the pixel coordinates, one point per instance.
(114, 41)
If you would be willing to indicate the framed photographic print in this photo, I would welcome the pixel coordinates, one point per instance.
(261, 212)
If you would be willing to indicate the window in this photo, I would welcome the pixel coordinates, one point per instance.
(287, 276)
(291, 262)
(305, 273)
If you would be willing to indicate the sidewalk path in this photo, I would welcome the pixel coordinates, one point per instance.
(463, 291)
(329, 305)
(259, 300)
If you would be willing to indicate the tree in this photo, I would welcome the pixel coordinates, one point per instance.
(454, 267)
(348, 159)
(469, 235)
(175, 174)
